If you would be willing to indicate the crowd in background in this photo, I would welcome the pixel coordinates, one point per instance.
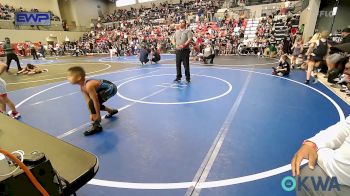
(169, 12)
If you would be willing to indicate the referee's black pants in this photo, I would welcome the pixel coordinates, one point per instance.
(183, 56)
(9, 58)
(34, 54)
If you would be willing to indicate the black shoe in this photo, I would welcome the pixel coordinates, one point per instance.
(177, 80)
(307, 82)
(110, 115)
(188, 81)
(95, 128)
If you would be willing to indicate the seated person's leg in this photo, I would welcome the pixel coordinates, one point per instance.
(282, 73)
(212, 58)
(205, 59)
(273, 54)
(266, 52)
(307, 188)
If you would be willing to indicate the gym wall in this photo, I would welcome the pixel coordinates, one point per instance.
(112, 6)
(257, 10)
(341, 20)
(309, 17)
(80, 12)
(36, 36)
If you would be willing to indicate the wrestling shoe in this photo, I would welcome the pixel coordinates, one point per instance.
(95, 128)
(110, 115)
(16, 115)
(177, 80)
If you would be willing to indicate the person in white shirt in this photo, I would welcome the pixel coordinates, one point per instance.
(208, 53)
(328, 153)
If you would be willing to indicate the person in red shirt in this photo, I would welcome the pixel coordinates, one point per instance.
(199, 41)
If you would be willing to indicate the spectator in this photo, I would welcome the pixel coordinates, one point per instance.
(208, 53)
(155, 56)
(270, 51)
(320, 49)
(283, 68)
(328, 153)
(42, 50)
(143, 56)
(33, 51)
(297, 49)
(10, 55)
(346, 36)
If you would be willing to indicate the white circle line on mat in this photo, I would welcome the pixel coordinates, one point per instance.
(209, 184)
(57, 78)
(175, 103)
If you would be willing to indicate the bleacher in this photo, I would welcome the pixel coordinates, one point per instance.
(154, 12)
(250, 31)
(281, 28)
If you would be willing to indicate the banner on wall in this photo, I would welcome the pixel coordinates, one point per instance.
(33, 18)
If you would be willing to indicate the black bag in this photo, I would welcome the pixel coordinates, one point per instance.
(333, 74)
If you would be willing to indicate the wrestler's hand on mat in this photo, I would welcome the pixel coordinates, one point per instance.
(306, 151)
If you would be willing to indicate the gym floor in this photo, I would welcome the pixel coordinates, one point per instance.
(232, 131)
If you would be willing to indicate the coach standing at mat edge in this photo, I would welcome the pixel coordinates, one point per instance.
(182, 40)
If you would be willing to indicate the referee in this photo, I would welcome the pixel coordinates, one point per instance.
(10, 55)
(182, 39)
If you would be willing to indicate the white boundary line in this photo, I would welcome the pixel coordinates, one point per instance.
(34, 81)
(67, 95)
(132, 61)
(121, 109)
(223, 65)
(217, 183)
(208, 162)
(61, 84)
(175, 103)
(33, 62)
(334, 90)
(211, 184)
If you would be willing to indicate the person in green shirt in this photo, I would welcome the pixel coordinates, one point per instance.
(10, 55)
(270, 51)
(301, 29)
